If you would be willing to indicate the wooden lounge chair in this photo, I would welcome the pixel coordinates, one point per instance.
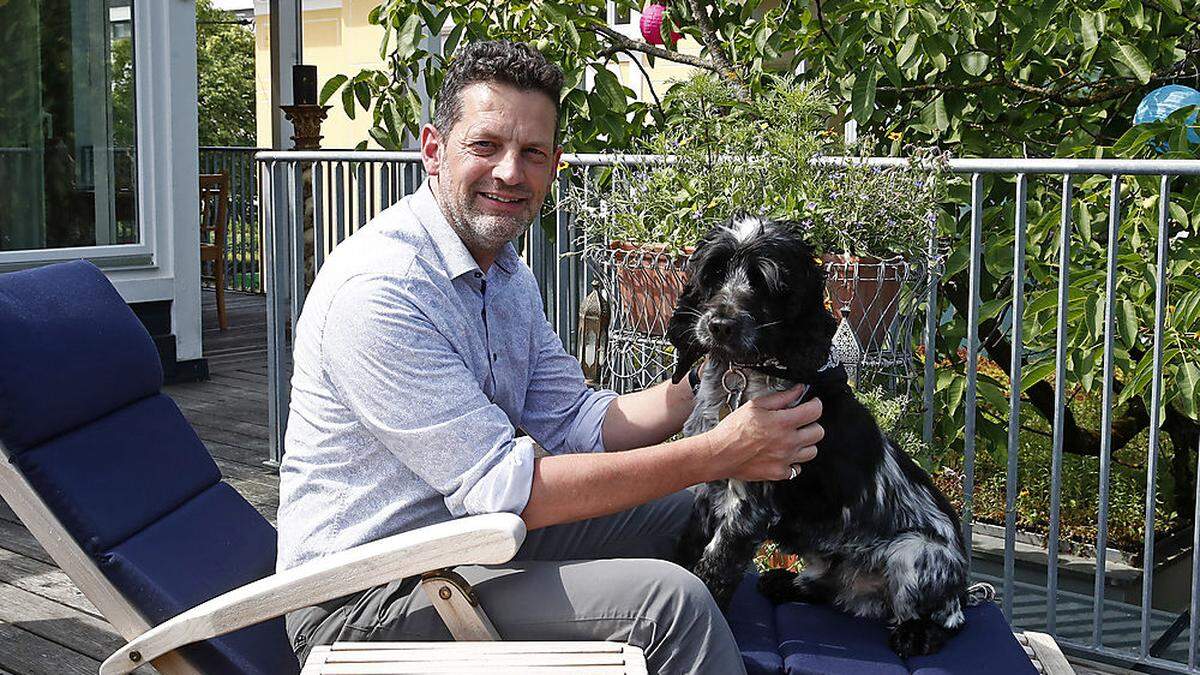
(108, 475)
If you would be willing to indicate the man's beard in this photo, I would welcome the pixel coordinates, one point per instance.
(479, 231)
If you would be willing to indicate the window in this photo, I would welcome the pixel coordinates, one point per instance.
(620, 14)
(67, 159)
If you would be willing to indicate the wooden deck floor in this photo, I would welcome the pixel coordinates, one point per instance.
(47, 627)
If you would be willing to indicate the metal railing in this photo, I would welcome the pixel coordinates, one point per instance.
(350, 188)
(243, 237)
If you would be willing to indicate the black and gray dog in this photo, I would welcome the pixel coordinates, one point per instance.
(877, 538)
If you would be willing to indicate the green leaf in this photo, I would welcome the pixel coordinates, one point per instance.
(331, 86)
(408, 37)
(862, 98)
(974, 63)
(610, 89)
(1087, 30)
(892, 72)
(1024, 40)
(907, 50)
(958, 386)
(1127, 322)
(348, 101)
(941, 120)
(1033, 373)
(1136, 61)
(363, 91)
(1187, 390)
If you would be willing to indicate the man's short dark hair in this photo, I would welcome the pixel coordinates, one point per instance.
(512, 63)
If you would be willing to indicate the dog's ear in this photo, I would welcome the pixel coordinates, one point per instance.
(813, 327)
(681, 331)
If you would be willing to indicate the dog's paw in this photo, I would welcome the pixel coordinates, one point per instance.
(917, 637)
(778, 586)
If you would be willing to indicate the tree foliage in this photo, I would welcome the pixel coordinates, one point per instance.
(225, 77)
(979, 78)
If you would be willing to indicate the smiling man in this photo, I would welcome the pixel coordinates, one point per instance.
(423, 348)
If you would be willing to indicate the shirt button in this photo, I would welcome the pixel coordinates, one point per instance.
(478, 274)
(493, 357)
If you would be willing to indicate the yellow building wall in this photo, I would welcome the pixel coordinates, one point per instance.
(336, 41)
(340, 41)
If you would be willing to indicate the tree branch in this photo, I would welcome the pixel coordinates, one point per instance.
(821, 22)
(1077, 440)
(620, 43)
(1108, 89)
(712, 41)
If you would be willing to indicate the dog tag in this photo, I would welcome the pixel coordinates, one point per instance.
(724, 411)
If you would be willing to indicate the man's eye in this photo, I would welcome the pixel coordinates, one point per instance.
(483, 145)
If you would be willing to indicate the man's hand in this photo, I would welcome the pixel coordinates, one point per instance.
(764, 438)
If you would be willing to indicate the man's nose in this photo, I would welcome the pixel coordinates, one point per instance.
(508, 169)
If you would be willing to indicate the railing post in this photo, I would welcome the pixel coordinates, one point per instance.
(275, 205)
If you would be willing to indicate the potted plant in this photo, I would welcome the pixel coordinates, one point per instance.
(712, 158)
(716, 157)
(874, 227)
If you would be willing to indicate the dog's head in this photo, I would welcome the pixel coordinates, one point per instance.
(755, 291)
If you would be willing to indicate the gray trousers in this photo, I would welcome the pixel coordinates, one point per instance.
(599, 579)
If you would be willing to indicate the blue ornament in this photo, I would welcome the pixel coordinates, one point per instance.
(1160, 103)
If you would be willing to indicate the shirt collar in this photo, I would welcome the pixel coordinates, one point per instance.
(455, 256)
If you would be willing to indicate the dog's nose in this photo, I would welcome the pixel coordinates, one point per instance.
(721, 327)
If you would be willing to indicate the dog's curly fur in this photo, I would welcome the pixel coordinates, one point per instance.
(877, 537)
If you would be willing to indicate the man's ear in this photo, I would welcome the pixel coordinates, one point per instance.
(431, 147)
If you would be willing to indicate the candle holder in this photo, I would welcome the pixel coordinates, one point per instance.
(306, 120)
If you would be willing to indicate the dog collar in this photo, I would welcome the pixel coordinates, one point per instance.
(734, 380)
(832, 372)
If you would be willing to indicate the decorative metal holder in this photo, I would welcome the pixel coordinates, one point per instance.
(878, 302)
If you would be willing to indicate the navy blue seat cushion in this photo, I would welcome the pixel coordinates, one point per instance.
(819, 640)
(752, 619)
(71, 351)
(212, 544)
(119, 465)
(109, 479)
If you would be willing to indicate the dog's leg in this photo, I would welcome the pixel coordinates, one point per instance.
(813, 584)
(725, 558)
(926, 580)
(697, 534)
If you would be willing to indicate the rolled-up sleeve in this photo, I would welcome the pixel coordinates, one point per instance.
(561, 411)
(397, 371)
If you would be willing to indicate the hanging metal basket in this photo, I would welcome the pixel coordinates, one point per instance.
(879, 299)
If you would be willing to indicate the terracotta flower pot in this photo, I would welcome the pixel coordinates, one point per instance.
(870, 288)
(649, 282)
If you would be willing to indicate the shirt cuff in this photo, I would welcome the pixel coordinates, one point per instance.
(586, 433)
(506, 486)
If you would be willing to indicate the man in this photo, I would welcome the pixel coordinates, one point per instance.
(423, 347)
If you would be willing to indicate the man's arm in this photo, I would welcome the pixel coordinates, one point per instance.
(759, 441)
(646, 417)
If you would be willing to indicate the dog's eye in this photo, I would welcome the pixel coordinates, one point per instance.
(715, 270)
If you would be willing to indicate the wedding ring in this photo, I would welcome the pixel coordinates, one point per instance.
(795, 472)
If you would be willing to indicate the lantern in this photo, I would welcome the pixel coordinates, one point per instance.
(1160, 103)
(593, 334)
(651, 24)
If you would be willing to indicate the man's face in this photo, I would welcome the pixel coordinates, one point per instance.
(495, 166)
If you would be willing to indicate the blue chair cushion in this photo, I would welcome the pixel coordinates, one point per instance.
(211, 544)
(819, 640)
(752, 619)
(71, 351)
(115, 476)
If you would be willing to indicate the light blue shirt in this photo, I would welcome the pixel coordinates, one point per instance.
(412, 370)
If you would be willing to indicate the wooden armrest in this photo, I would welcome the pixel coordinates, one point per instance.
(481, 540)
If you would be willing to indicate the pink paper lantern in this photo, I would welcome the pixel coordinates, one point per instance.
(651, 24)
